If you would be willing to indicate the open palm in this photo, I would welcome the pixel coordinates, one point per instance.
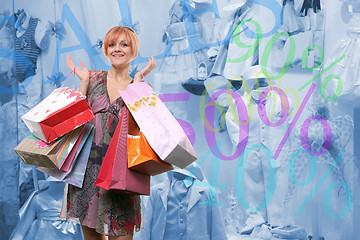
(82, 74)
(146, 70)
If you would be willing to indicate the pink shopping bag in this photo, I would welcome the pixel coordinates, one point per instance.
(161, 129)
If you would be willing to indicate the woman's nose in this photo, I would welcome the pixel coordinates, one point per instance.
(117, 47)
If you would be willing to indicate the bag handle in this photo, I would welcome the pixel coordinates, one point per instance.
(134, 136)
(143, 77)
(72, 72)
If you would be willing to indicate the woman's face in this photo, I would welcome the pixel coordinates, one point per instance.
(119, 51)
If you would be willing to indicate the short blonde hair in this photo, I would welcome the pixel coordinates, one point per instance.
(115, 32)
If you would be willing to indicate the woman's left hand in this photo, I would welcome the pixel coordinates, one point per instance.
(146, 70)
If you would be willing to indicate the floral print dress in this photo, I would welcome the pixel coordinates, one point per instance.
(107, 212)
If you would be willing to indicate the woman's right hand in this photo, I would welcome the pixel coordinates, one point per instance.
(82, 74)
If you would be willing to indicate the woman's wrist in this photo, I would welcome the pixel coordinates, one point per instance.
(84, 86)
(142, 75)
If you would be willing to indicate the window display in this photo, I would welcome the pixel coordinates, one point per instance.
(266, 92)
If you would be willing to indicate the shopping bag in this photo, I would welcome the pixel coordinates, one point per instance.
(76, 173)
(142, 158)
(161, 129)
(58, 154)
(114, 173)
(62, 111)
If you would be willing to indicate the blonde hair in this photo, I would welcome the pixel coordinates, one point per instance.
(115, 32)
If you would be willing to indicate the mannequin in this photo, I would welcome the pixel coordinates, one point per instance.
(39, 217)
(261, 138)
(180, 208)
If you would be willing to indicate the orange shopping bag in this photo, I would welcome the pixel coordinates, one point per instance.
(142, 158)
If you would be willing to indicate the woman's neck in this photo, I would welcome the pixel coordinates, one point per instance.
(119, 74)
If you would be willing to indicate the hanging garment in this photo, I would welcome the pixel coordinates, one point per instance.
(300, 28)
(233, 67)
(302, 7)
(180, 65)
(27, 52)
(256, 163)
(223, 70)
(348, 68)
(334, 197)
(40, 216)
(200, 220)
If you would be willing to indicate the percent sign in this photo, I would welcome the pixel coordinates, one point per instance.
(311, 176)
(305, 101)
(327, 138)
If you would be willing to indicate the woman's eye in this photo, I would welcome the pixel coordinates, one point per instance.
(124, 45)
(111, 44)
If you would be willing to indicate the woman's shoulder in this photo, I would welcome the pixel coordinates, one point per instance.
(96, 74)
(97, 79)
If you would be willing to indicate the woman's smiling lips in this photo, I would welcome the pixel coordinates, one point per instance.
(117, 55)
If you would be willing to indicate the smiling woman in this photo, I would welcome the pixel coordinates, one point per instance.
(99, 211)
(113, 35)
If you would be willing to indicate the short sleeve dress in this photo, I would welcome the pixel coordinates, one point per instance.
(105, 211)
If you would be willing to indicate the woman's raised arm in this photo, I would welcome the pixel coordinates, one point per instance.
(83, 74)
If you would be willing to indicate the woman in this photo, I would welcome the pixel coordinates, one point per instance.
(103, 213)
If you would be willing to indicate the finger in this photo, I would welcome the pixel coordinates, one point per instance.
(71, 66)
(83, 66)
(69, 59)
(70, 62)
(150, 63)
(153, 61)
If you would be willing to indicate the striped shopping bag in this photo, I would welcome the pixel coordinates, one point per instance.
(58, 154)
(76, 173)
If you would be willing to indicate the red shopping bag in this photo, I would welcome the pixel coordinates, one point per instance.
(58, 154)
(62, 111)
(114, 173)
